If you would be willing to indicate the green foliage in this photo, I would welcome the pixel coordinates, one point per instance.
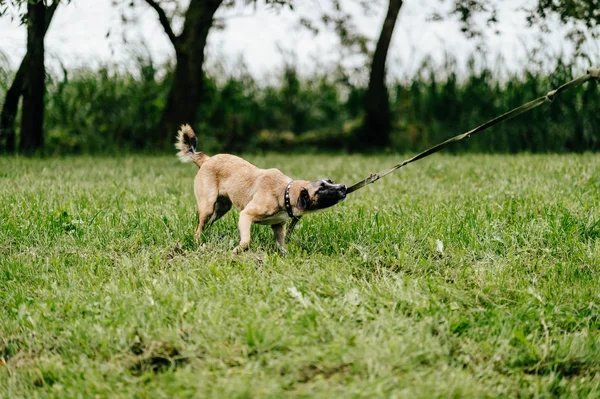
(430, 109)
(580, 18)
(460, 276)
(100, 111)
(241, 115)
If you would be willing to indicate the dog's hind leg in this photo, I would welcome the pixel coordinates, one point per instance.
(207, 197)
(206, 211)
(244, 226)
(204, 216)
(279, 231)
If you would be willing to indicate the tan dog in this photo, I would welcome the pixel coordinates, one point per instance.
(263, 196)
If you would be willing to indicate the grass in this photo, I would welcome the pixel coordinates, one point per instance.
(459, 276)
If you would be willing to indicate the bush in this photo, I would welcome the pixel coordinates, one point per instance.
(429, 111)
(91, 111)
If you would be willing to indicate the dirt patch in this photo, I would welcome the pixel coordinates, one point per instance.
(568, 369)
(14, 354)
(156, 357)
(176, 251)
(311, 371)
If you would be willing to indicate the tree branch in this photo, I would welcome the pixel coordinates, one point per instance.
(164, 21)
(50, 13)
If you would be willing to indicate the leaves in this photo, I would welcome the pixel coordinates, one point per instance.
(581, 17)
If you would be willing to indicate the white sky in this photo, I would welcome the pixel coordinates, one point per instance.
(77, 36)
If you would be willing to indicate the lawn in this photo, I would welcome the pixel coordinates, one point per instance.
(457, 276)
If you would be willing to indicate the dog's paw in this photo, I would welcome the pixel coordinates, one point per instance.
(238, 250)
(283, 251)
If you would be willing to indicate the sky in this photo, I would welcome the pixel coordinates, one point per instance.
(261, 36)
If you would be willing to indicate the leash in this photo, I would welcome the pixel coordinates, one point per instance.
(592, 73)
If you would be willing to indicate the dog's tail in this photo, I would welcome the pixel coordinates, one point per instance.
(186, 144)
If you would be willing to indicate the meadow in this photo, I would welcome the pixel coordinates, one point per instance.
(458, 276)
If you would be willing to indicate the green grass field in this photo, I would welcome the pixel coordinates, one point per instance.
(458, 276)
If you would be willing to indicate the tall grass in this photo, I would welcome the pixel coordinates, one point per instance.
(91, 111)
(428, 110)
(105, 111)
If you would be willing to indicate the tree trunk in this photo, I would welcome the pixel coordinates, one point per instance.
(11, 102)
(32, 118)
(10, 108)
(185, 95)
(376, 127)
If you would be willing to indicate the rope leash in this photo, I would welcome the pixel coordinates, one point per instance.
(592, 73)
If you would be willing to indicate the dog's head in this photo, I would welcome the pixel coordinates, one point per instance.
(320, 194)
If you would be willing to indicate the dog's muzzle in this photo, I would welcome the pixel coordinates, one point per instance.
(332, 195)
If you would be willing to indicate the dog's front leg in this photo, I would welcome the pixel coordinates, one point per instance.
(279, 231)
(244, 226)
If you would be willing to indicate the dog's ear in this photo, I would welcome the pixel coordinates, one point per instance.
(303, 199)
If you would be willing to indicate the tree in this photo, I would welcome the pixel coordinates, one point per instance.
(28, 83)
(581, 16)
(376, 126)
(185, 95)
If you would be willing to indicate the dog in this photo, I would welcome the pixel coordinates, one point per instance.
(263, 196)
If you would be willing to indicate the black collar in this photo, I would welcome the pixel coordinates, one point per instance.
(288, 204)
(289, 210)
